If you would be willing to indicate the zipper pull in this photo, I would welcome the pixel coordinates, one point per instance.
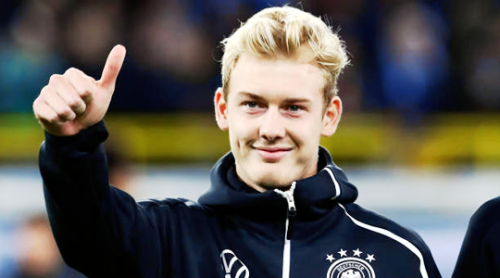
(288, 195)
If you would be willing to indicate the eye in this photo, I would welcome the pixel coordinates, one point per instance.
(251, 104)
(295, 108)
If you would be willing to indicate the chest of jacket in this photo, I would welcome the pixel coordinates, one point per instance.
(328, 246)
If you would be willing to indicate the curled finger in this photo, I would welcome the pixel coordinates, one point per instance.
(54, 101)
(67, 92)
(84, 85)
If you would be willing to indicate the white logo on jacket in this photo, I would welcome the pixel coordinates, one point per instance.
(233, 266)
(356, 266)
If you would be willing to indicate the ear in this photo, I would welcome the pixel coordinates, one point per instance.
(221, 109)
(331, 118)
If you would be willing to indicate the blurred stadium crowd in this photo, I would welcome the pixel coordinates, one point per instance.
(410, 57)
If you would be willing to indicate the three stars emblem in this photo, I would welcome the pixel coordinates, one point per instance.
(356, 253)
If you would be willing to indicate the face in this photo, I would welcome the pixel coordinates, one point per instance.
(275, 116)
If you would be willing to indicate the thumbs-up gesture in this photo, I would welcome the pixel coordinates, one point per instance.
(74, 101)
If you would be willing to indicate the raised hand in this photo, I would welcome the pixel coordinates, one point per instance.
(74, 101)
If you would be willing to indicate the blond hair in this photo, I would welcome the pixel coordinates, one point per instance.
(283, 31)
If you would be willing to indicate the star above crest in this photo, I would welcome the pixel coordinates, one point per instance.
(342, 252)
(357, 253)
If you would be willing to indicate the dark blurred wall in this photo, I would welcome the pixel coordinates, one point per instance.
(409, 57)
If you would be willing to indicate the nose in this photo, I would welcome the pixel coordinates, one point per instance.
(272, 126)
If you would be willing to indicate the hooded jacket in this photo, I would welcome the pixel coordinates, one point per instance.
(312, 230)
(480, 253)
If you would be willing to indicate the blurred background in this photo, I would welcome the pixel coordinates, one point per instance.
(420, 133)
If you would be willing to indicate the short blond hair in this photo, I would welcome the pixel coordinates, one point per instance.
(282, 31)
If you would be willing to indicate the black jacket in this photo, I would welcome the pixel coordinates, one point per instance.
(480, 253)
(312, 230)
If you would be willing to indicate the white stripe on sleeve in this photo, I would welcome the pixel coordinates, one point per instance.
(389, 234)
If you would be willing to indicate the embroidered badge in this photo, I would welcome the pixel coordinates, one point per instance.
(356, 266)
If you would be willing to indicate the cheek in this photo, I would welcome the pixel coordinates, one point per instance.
(306, 131)
(241, 131)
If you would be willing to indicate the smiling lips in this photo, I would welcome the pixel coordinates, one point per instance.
(272, 154)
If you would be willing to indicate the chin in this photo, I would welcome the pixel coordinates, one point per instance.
(271, 181)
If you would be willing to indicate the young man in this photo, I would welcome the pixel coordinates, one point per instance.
(480, 253)
(278, 206)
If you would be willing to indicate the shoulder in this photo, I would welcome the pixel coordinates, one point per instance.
(485, 220)
(171, 203)
(382, 225)
(487, 214)
(479, 253)
(407, 238)
(174, 209)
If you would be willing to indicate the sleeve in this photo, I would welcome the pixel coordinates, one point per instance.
(100, 230)
(480, 252)
(409, 239)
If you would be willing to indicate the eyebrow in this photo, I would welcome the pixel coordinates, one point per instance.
(260, 98)
(249, 95)
(297, 100)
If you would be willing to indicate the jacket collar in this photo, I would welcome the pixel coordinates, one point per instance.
(313, 196)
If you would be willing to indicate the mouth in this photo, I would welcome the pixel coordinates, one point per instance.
(272, 154)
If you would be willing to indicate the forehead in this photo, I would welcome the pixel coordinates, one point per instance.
(277, 77)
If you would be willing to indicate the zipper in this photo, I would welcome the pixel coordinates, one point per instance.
(291, 212)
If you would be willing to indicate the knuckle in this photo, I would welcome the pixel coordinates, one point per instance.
(45, 90)
(36, 103)
(35, 107)
(71, 70)
(54, 78)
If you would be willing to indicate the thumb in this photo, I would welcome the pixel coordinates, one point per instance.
(112, 68)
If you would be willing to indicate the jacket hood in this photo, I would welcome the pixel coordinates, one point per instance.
(313, 196)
